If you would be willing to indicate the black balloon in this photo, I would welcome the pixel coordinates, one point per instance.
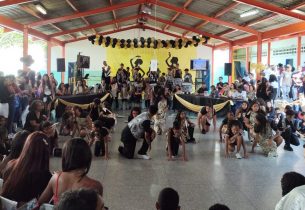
(100, 40)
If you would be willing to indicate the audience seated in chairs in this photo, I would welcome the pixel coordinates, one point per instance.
(81, 199)
(76, 162)
(16, 148)
(26, 177)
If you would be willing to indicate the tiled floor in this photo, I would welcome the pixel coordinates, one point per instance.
(207, 177)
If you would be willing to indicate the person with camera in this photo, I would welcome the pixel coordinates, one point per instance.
(288, 129)
(138, 128)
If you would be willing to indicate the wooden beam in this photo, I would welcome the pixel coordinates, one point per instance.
(217, 15)
(272, 8)
(14, 2)
(88, 13)
(204, 17)
(8, 23)
(110, 22)
(187, 28)
(185, 5)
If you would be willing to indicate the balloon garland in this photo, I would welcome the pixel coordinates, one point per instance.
(148, 43)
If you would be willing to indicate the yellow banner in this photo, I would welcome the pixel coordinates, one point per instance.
(197, 108)
(82, 106)
(116, 56)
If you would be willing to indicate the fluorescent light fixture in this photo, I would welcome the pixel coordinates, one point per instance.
(298, 12)
(249, 13)
(41, 8)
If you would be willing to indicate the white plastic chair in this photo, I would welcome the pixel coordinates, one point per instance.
(8, 204)
(46, 207)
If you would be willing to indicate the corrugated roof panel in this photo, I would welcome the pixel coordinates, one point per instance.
(130, 11)
(282, 3)
(100, 18)
(235, 34)
(90, 4)
(207, 7)
(276, 22)
(234, 15)
(155, 23)
(176, 30)
(71, 24)
(18, 15)
(178, 3)
(47, 29)
(128, 23)
(187, 20)
(213, 28)
(163, 13)
(105, 28)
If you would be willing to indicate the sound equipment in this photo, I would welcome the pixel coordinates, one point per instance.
(228, 69)
(61, 67)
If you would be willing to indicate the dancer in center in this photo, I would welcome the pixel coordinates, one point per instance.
(138, 128)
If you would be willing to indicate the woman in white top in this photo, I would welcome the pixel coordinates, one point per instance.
(286, 81)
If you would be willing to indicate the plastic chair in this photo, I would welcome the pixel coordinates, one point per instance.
(8, 204)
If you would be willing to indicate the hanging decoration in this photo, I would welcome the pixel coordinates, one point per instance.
(148, 43)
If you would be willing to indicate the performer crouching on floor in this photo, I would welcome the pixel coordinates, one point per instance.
(174, 140)
(138, 128)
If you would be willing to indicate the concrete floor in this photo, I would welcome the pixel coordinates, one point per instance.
(207, 177)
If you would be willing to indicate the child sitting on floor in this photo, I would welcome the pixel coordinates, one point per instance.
(235, 138)
(174, 140)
